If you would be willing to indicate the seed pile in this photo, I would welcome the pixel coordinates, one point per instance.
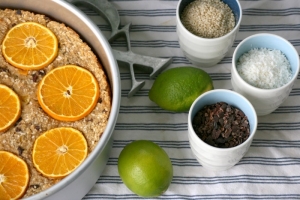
(221, 125)
(208, 18)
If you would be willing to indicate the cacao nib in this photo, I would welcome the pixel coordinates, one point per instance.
(221, 125)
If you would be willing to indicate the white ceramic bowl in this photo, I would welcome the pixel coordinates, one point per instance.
(214, 158)
(265, 101)
(206, 52)
(79, 182)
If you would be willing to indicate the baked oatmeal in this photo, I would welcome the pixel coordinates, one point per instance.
(34, 121)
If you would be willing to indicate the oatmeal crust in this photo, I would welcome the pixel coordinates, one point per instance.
(34, 121)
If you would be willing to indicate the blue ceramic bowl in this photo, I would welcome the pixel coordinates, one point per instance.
(214, 158)
(265, 101)
(206, 52)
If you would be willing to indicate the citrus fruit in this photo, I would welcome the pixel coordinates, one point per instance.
(145, 168)
(30, 46)
(68, 93)
(14, 176)
(10, 107)
(176, 89)
(59, 151)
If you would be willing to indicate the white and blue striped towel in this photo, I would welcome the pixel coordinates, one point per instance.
(270, 169)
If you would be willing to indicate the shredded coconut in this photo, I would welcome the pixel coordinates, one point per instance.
(264, 68)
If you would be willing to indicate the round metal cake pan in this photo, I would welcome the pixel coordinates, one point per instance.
(77, 184)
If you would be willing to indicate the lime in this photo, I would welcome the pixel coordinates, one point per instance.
(177, 88)
(145, 168)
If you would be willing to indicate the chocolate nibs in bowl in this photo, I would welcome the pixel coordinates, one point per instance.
(221, 125)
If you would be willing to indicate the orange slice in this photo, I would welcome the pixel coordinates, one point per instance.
(14, 176)
(59, 151)
(10, 107)
(30, 46)
(68, 93)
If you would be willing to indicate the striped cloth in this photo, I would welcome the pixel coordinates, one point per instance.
(270, 169)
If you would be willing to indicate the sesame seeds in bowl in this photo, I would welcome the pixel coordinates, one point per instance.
(216, 40)
(208, 18)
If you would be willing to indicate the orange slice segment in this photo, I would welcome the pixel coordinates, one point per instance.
(59, 151)
(68, 93)
(10, 107)
(14, 176)
(30, 46)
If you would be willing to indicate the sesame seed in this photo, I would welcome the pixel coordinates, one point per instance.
(208, 18)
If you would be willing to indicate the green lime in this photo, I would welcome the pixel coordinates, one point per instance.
(177, 88)
(145, 168)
